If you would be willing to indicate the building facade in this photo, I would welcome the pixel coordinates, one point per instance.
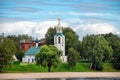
(59, 41)
(31, 52)
(26, 44)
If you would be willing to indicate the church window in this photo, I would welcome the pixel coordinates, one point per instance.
(58, 39)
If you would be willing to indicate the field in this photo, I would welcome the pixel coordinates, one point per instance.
(63, 67)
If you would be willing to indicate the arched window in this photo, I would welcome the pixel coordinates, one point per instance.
(58, 39)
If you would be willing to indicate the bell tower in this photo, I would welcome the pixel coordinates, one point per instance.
(59, 41)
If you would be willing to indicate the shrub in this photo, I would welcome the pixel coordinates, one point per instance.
(17, 62)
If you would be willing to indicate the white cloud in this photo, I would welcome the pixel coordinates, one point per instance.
(94, 28)
(82, 27)
(30, 28)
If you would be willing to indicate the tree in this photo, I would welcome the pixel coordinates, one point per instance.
(49, 36)
(116, 60)
(7, 50)
(114, 41)
(97, 50)
(19, 55)
(73, 56)
(116, 55)
(71, 38)
(48, 56)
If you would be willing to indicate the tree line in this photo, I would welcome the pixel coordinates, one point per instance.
(95, 49)
(9, 46)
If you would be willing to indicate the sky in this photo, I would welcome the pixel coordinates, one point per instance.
(36, 16)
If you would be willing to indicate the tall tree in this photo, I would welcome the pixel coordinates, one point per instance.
(71, 38)
(114, 41)
(7, 50)
(97, 50)
(48, 56)
(50, 36)
(73, 56)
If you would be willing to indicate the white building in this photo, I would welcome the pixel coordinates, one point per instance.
(30, 54)
(59, 41)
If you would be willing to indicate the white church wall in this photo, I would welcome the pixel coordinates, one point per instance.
(63, 58)
(28, 58)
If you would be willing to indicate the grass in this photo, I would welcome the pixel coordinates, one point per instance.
(109, 68)
(25, 68)
(63, 67)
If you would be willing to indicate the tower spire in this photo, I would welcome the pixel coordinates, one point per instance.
(58, 21)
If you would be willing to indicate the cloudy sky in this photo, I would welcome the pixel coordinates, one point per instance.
(36, 16)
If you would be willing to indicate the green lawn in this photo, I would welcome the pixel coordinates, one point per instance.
(109, 68)
(63, 67)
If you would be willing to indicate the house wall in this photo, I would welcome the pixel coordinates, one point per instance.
(26, 46)
(28, 58)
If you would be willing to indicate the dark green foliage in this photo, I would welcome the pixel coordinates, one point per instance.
(116, 60)
(97, 50)
(49, 36)
(71, 39)
(114, 41)
(16, 62)
(7, 50)
(99, 66)
(73, 56)
(48, 56)
(19, 55)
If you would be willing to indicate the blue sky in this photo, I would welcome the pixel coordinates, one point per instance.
(36, 16)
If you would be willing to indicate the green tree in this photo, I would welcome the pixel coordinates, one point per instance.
(19, 55)
(116, 60)
(97, 50)
(48, 56)
(49, 36)
(7, 50)
(114, 41)
(116, 55)
(73, 57)
(71, 38)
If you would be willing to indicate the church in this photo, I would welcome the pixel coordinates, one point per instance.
(31, 52)
(59, 42)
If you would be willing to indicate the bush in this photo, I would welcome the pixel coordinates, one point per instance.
(99, 66)
(16, 62)
(116, 65)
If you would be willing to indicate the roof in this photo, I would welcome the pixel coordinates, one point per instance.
(32, 51)
(27, 41)
(59, 34)
(42, 40)
(33, 41)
